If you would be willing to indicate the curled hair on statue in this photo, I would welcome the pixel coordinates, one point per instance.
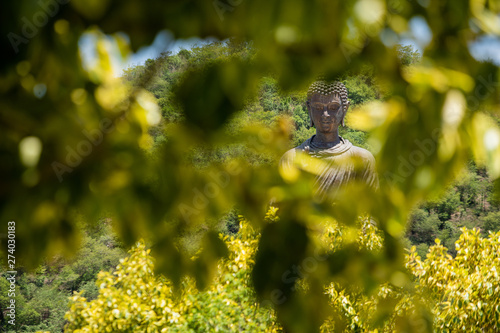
(323, 87)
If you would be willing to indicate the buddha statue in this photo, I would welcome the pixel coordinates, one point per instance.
(344, 163)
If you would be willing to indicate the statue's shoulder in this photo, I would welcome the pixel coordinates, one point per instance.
(289, 155)
(367, 160)
(303, 145)
(362, 154)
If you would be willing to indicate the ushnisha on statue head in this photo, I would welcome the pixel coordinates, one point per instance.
(327, 104)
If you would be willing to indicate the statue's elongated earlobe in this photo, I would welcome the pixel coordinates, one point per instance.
(311, 124)
(343, 115)
(344, 109)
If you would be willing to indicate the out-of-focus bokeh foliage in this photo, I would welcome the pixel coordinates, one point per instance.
(75, 141)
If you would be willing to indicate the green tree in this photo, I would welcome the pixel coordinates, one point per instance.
(361, 89)
(491, 222)
(423, 227)
(408, 55)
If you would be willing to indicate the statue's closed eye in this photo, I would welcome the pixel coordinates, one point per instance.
(330, 106)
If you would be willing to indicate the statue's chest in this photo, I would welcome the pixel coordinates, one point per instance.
(336, 172)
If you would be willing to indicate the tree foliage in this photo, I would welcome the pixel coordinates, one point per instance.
(42, 295)
(75, 140)
(463, 291)
(466, 203)
(407, 55)
(446, 293)
(133, 299)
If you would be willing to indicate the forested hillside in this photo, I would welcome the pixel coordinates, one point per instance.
(270, 104)
(43, 293)
(469, 202)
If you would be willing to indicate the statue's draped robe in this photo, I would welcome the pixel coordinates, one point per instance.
(345, 163)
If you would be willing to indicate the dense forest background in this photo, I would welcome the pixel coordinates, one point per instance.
(44, 293)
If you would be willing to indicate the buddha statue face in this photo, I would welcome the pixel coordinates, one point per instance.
(326, 112)
(327, 104)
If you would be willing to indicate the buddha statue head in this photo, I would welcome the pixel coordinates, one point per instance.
(327, 105)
